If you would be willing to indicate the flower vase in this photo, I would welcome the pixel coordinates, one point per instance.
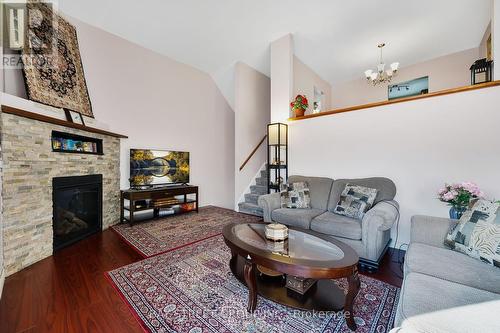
(299, 112)
(457, 212)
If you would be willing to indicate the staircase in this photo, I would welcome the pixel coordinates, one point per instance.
(250, 206)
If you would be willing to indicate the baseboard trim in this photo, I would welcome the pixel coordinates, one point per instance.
(2, 280)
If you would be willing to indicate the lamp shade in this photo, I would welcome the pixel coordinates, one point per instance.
(374, 76)
(395, 66)
(277, 134)
(368, 73)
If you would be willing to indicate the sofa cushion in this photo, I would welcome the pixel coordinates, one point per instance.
(319, 189)
(295, 217)
(478, 233)
(337, 225)
(295, 195)
(355, 201)
(429, 304)
(386, 189)
(452, 266)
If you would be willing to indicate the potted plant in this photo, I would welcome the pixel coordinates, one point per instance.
(459, 196)
(299, 105)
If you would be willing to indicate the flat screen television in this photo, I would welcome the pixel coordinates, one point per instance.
(150, 167)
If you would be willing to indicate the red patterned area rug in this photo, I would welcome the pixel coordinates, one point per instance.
(159, 236)
(191, 289)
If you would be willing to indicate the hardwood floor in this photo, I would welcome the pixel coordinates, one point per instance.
(69, 293)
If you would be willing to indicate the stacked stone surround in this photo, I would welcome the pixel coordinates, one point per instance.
(28, 168)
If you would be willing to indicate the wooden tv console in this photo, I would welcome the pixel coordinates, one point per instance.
(146, 204)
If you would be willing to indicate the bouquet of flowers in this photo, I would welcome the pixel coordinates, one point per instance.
(460, 195)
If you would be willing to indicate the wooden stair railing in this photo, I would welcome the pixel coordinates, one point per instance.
(253, 152)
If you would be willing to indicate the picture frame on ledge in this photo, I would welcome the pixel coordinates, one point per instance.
(74, 117)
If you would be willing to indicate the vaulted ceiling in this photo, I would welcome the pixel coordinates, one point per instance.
(336, 38)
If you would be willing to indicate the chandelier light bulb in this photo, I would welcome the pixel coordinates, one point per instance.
(395, 66)
(368, 73)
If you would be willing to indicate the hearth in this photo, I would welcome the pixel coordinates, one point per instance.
(77, 208)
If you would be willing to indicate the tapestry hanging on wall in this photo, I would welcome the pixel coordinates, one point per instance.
(52, 65)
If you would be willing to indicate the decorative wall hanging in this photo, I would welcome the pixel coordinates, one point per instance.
(414, 87)
(52, 65)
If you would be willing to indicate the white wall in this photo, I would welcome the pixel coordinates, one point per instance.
(420, 145)
(495, 38)
(281, 78)
(252, 114)
(304, 81)
(445, 72)
(159, 103)
(483, 48)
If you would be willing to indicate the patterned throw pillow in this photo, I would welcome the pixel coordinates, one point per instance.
(477, 234)
(355, 201)
(295, 195)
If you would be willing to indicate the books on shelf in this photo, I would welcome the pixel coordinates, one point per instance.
(73, 145)
(165, 202)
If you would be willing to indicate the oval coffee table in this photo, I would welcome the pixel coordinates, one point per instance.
(305, 254)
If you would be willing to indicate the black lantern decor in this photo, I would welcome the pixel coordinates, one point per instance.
(481, 71)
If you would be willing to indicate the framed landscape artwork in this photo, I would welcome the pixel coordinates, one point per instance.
(415, 87)
(52, 65)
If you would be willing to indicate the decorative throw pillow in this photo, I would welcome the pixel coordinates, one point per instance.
(477, 234)
(295, 195)
(355, 201)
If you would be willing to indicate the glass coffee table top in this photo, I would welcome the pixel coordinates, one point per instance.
(299, 245)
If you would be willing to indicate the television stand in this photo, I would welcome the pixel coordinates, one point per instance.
(152, 203)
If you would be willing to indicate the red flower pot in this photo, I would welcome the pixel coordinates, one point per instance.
(299, 112)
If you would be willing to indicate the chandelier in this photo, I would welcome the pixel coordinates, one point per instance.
(381, 75)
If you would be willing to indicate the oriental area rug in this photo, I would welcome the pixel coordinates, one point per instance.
(191, 289)
(158, 236)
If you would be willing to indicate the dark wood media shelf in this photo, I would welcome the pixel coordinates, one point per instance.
(147, 204)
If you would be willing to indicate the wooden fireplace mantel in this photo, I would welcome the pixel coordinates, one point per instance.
(55, 121)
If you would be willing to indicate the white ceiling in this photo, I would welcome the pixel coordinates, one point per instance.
(337, 38)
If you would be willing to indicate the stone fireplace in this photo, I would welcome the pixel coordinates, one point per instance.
(29, 168)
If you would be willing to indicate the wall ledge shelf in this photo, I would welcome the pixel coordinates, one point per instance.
(400, 100)
(55, 121)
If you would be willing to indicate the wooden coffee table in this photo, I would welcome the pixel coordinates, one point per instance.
(305, 254)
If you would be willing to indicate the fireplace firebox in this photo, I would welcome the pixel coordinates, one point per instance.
(77, 208)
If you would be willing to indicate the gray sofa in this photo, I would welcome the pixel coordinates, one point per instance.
(443, 290)
(369, 237)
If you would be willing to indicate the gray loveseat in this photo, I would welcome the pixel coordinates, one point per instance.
(444, 290)
(369, 237)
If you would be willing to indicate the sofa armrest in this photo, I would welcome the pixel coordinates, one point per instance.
(375, 227)
(381, 217)
(268, 203)
(430, 230)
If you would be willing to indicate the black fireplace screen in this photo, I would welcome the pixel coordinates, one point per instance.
(77, 208)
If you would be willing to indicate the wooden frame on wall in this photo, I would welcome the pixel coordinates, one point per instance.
(74, 117)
